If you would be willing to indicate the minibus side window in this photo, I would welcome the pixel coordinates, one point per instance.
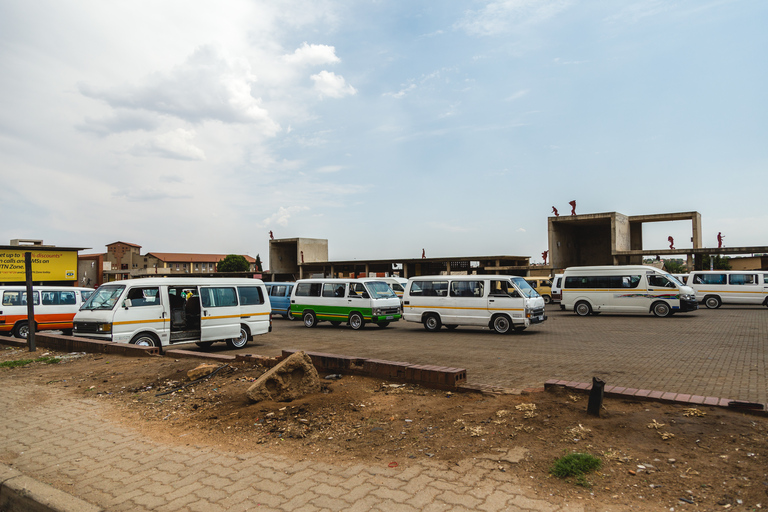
(502, 288)
(218, 297)
(430, 288)
(308, 289)
(710, 279)
(333, 290)
(660, 281)
(251, 295)
(141, 297)
(743, 279)
(278, 290)
(51, 298)
(467, 289)
(68, 298)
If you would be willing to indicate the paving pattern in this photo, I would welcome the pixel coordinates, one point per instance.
(68, 443)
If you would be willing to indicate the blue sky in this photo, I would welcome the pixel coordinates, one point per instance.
(385, 127)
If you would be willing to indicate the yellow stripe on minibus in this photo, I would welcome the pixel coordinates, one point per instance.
(152, 321)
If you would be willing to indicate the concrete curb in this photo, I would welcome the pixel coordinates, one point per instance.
(20, 493)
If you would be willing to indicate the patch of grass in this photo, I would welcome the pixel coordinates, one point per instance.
(575, 464)
(24, 362)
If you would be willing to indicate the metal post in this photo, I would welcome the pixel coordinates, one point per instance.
(595, 397)
(30, 302)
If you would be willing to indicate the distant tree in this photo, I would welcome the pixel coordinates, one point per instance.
(233, 263)
(674, 266)
(718, 262)
(258, 264)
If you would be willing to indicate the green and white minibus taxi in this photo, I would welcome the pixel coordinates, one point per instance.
(351, 301)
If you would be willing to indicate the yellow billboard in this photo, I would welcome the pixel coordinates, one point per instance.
(46, 265)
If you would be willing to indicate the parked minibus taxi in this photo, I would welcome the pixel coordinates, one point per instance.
(625, 289)
(54, 308)
(542, 285)
(166, 311)
(716, 287)
(280, 298)
(501, 303)
(351, 301)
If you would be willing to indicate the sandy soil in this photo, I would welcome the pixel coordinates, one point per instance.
(664, 455)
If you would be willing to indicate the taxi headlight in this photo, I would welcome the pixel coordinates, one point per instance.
(104, 328)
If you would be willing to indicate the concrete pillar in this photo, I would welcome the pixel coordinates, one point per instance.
(696, 230)
(333, 271)
(448, 268)
(301, 272)
(366, 270)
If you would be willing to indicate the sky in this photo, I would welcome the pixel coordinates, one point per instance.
(385, 127)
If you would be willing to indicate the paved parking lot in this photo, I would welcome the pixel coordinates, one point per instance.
(722, 352)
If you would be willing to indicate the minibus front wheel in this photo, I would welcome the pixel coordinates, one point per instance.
(144, 339)
(356, 321)
(501, 324)
(661, 309)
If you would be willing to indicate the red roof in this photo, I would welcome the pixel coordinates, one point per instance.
(124, 243)
(180, 257)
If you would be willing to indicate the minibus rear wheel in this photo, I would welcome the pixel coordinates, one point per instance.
(712, 301)
(241, 340)
(432, 322)
(21, 330)
(582, 308)
(310, 320)
(547, 299)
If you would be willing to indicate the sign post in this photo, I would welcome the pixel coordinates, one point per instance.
(30, 303)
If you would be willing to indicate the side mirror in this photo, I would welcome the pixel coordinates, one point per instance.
(127, 303)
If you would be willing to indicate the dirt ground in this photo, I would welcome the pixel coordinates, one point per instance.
(662, 455)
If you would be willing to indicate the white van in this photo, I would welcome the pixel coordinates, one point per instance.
(396, 283)
(54, 312)
(352, 301)
(164, 311)
(557, 288)
(502, 303)
(625, 289)
(716, 287)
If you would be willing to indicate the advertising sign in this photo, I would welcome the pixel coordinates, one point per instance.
(46, 265)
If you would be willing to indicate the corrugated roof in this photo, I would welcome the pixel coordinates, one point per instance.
(180, 257)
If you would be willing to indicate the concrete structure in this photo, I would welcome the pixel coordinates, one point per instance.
(613, 238)
(288, 257)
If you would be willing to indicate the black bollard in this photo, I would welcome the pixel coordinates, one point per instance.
(595, 397)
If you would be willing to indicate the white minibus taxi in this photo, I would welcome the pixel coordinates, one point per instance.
(165, 311)
(625, 289)
(716, 287)
(502, 303)
(55, 307)
(352, 301)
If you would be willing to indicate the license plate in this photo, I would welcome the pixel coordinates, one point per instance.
(390, 317)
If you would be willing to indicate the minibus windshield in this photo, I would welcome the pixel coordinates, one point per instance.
(105, 297)
(524, 287)
(674, 279)
(380, 290)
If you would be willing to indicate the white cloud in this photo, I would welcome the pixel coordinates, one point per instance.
(208, 86)
(176, 144)
(517, 95)
(330, 168)
(401, 93)
(282, 215)
(327, 83)
(313, 55)
(505, 16)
